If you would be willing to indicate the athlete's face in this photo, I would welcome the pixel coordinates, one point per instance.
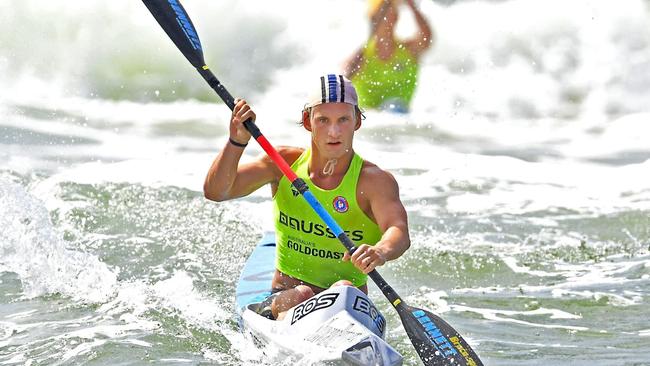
(332, 127)
(386, 16)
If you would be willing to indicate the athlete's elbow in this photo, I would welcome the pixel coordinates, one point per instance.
(407, 244)
(212, 195)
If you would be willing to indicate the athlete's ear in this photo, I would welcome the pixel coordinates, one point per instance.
(358, 124)
(306, 122)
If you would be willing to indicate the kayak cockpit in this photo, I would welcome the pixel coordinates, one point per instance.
(340, 323)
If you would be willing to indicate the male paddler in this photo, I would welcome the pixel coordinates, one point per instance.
(360, 196)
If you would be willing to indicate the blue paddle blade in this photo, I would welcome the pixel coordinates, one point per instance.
(173, 18)
(437, 343)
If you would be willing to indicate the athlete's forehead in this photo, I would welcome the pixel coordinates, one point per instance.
(332, 110)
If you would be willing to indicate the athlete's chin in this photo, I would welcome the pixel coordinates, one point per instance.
(336, 151)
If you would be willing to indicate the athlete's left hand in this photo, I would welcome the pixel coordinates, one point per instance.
(366, 258)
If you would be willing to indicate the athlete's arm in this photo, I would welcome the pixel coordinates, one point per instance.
(226, 178)
(353, 64)
(424, 37)
(382, 192)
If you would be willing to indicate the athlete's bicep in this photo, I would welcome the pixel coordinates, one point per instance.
(385, 204)
(389, 210)
(251, 176)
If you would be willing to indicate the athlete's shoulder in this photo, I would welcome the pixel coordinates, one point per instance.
(289, 153)
(372, 176)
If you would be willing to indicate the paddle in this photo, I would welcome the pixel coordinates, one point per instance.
(436, 342)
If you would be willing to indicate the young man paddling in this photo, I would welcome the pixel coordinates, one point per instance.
(360, 196)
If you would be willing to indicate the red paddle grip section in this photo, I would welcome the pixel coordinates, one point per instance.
(277, 158)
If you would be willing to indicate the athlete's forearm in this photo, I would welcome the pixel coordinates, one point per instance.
(222, 174)
(425, 31)
(394, 242)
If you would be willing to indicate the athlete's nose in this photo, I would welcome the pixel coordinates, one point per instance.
(334, 130)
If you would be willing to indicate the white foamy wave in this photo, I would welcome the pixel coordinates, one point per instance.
(176, 294)
(81, 335)
(436, 298)
(513, 59)
(510, 316)
(247, 355)
(546, 62)
(6, 330)
(613, 299)
(587, 275)
(136, 50)
(644, 333)
(32, 248)
(504, 185)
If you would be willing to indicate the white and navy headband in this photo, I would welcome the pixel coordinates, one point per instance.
(334, 89)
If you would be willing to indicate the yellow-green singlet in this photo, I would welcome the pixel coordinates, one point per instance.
(386, 81)
(306, 248)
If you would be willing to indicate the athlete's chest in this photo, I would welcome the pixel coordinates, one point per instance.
(328, 182)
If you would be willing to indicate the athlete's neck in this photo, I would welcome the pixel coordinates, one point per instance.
(326, 167)
(385, 30)
(385, 45)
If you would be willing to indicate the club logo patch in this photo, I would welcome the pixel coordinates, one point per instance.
(340, 204)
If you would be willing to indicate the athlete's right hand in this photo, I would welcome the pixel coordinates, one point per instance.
(240, 113)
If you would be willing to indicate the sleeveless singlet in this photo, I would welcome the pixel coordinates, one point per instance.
(382, 83)
(306, 248)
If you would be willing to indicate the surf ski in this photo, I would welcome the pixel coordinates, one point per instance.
(339, 324)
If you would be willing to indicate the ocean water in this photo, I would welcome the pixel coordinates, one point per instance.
(524, 166)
